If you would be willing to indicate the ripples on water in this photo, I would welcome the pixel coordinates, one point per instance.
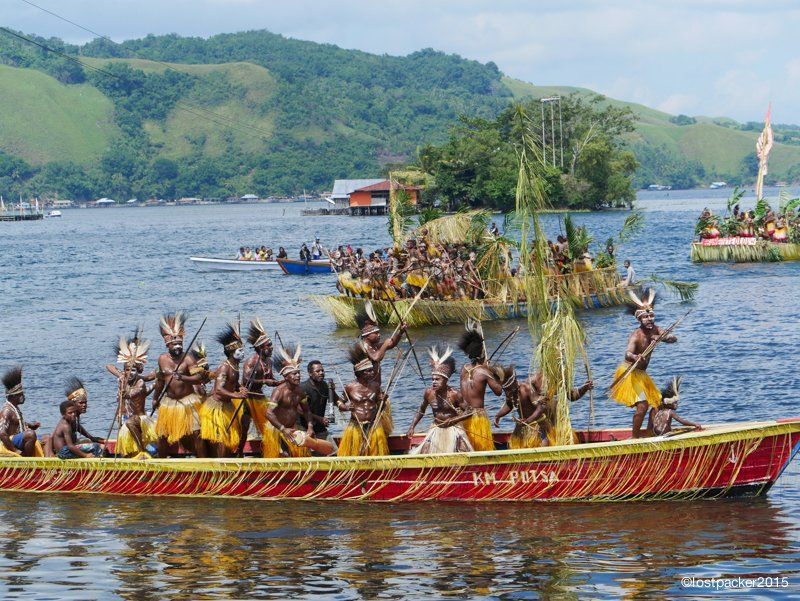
(71, 286)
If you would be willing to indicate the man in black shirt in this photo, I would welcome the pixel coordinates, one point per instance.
(319, 393)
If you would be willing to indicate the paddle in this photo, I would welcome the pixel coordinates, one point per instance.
(648, 351)
(185, 354)
(401, 323)
(123, 383)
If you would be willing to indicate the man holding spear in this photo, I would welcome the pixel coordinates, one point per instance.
(179, 409)
(632, 386)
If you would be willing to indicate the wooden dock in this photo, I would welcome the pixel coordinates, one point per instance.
(18, 217)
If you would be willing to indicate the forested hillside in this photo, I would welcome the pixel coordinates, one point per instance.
(255, 112)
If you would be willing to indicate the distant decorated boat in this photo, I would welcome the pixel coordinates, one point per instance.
(742, 459)
(298, 267)
(743, 250)
(215, 264)
(593, 289)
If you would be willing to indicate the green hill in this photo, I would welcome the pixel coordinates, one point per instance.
(257, 112)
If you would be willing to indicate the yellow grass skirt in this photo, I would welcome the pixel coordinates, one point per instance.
(551, 435)
(178, 418)
(126, 441)
(272, 440)
(258, 412)
(215, 416)
(386, 418)
(479, 431)
(637, 386)
(525, 436)
(38, 451)
(353, 440)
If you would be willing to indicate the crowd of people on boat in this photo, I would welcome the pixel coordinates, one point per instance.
(265, 253)
(211, 412)
(447, 271)
(765, 224)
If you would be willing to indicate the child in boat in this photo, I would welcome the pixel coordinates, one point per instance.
(660, 421)
(65, 436)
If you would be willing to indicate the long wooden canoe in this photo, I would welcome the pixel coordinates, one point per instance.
(743, 250)
(742, 459)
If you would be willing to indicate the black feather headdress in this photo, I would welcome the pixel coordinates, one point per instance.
(287, 360)
(74, 389)
(366, 320)
(472, 342)
(229, 338)
(12, 380)
(257, 335)
(357, 355)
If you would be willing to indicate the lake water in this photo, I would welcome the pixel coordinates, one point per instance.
(69, 287)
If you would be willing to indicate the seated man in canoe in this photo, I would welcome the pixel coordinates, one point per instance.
(633, 387)
(365, 434)
(65, 436)
(283, 435)
(660, 420)
(138, 429)
(446, 434)
(536, 411)
(17, 436)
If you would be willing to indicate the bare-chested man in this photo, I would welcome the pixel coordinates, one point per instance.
(376, 350)
(364, 435)
(637, 389)
(179, 409)
(288, 402)
(65, 436)
(218, 428)
(256, 374)
(475, 378)
(448, 407)
(76, 392)
(536, 411)
(138, 429)
(17, 435)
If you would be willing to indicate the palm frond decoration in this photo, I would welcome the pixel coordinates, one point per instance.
(761, 252)
(428, 214)
(786, 203)
(450, 228)
(735, 199)
(686, 291)
(631, 227)
(401, 213)
(560, 337)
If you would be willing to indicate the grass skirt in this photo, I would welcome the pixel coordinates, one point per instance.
(452, 439)
(637, 386)
(126, 441)
(272, 441)
(38, 451)
(525, 437)
(386, 418)
(479, 431)
(258, 412)
(178, 418)
(353, 440)
(215, 416)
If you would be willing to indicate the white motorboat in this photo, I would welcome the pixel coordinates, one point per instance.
(53, 214)
(214, 264)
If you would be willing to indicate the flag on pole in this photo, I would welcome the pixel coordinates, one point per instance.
(763, 148)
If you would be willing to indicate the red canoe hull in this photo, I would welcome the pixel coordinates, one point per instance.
(743, 459)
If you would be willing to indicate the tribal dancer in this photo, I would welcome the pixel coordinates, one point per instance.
(535, 423)
(446, 434)
(637, 389)
(257, 373)
(376, 351)
(217, 411)
(17, 435)
(139, 430)
(179, 409)
(200, 367)
(475, 377)
(288, 402)
(76, 395)
(365, 434)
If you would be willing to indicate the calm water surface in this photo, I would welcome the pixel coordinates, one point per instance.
(69, 287)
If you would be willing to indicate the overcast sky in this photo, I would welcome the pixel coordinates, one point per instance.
(699, 57)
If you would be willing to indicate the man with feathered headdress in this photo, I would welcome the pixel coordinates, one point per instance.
(65, 437)
(138, 430)
(365, 434)
(536, 419)
(16, 435)
(283, 435)
(448, 407)
(637, 389)
(375, 349)
(217, 412)
(476, 376)
(256, 374)
(179, 409)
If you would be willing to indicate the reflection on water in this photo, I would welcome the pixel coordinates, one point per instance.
(77, 292)
(94, 546)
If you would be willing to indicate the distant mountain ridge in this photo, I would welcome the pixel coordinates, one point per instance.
(257, 112)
